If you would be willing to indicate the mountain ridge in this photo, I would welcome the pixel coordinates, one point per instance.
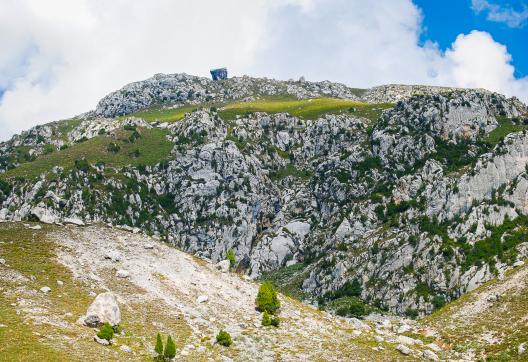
(339, 189)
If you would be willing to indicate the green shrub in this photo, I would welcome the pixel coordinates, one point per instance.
(349, 289)
(170, 349)
(275, 321)
(411, 313)
(223, 338)
(106, 332)
(357, 309)
(82, 165)
(267, 300)
(117, 329)
(159, 346)
(113, 147)
(266, 320)
(438, 301)
(231, 257)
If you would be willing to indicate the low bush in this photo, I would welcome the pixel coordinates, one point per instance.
(275, 321)
(113, 147)
(106, 332)
(223, 338)
(231, 257)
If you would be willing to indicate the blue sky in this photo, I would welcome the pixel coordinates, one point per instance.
(59, 57)
(444, 20)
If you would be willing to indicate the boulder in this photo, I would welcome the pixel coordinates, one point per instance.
(92, 321)
(121, 273)
(202, 299)
(434, 347)
(125, 349)
(223, 266)
(408, 340)
(45, 289)
(103, 309)
(521, 349)
(102, 341)
(430, 355)
(73, 221)
(403, 349)
(113, 255)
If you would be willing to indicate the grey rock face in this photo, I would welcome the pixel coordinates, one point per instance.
(396, 204)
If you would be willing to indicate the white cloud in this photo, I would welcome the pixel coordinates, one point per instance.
(476, 60)
(501, 14)
(61, 56)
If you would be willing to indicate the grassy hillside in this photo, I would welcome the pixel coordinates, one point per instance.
(305, 108)
(162, 114)
(150, 148)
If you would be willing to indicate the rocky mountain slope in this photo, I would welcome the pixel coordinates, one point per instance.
(50, 275)
(165, 291)
(399, 197)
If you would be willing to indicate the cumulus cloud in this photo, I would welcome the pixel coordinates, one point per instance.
(475, 60)
(60, 57)
(502, 14)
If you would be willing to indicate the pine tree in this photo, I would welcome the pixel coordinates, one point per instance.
(267, 300)
(159, 346)
(170, 349)
(266, 320)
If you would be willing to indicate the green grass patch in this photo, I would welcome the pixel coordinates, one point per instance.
(162, 114)
(150, 148)
(305, 108)
(505, 127)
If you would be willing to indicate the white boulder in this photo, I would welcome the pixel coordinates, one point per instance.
(223, 266)
(121, 273)
(403, 349)
(202, 299)
(103, 309)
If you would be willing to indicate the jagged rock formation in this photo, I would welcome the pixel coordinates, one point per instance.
(419, 206)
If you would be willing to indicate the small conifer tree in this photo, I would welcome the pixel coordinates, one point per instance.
(159, 347)
(267, 300)
(170, 349)
(266, 320)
